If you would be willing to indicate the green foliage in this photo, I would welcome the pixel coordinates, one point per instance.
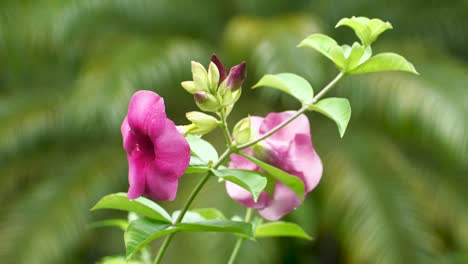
(337, 109)
(289, 83)
(291, 181)
(280, 229)
(367, 30)
(141, 205)
(385, 62)
(142, 231)
(71, 67)
(252, 181)
(202, 153)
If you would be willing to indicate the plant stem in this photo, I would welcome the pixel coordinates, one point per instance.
(235, 251)
(298, 113)
(188, 203)
(223, 158)
(227, 134)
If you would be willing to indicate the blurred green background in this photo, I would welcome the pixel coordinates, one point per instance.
(394, 188)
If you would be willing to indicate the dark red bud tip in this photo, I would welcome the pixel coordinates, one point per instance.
(236, 76)
(200, 97)
(220, 66)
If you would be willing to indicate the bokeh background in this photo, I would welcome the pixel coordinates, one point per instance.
(395, 188)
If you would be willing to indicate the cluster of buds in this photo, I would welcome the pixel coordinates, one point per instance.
(214, 90)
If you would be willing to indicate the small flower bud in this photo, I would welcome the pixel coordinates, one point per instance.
(213, 76)
(206, 101)
(200, 77)
(236, 77)
(220, 66)
(201, 123)
(242, 131)
(189, 86)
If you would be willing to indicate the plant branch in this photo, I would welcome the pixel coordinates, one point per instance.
(299, 112)
(235, 251)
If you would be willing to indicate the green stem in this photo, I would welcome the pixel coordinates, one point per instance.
(223, 158)
(227, 134)
(235, 251)
(298, 113)
(187, 205)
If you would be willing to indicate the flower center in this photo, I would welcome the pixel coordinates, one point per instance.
(144, 146)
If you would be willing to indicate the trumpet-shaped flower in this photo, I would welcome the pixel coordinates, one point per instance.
(157, 153)
(289, 149)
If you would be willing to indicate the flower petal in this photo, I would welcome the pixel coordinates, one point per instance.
(284, 201)
(160, 186)
(144, 107)
(303, 158)
(245, 198)
(284, 136)
(172, 151)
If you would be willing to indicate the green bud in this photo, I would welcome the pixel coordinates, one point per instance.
(227, 96)
(242, 131)
(206, 101)
(200, 77)
(190, 86)
(201, 123)
(213, 76)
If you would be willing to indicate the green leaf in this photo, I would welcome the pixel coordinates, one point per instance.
(327, 47)
(118, 260)
(236, 227)
(289, 83)
(357, 55)
(120, 223)
(280, 229)
(202, 153)
(337, 109)
(141, 205)
(367, 30)
(202, 149)
(140, 232)
(252, 181)
(385, 62)
(209, 213)
(197, 165)
(201, 214)
(291, 181)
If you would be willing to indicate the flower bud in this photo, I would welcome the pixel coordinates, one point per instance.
(206, 101)
(236, 77)
(213, 77)
(220, 66)
(242, 131)
(201, 123)
(200, 77)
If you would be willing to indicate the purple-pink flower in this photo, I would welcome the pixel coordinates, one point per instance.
(157, 153)
(289, 149)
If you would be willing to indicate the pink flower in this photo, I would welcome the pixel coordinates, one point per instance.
(289, 149)
(157, 153)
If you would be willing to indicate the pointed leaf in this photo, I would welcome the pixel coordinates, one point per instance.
(201, 214)
(289, 83)
(326, 46)
(291, 181)
(280, 229)
(142, 231)
(252, 181)
(120, 223)
(141, 205)
(367, 30)
(202, 153)
(385, 62)
(357, 55)
(226, 226)
(337, 109)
